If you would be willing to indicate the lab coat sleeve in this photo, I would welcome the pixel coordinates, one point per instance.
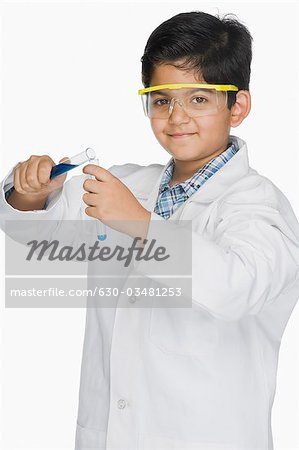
(10, 216)
(248, 262)
(62, 205)
(54, 206)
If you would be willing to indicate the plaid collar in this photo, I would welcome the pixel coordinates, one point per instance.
(191, 185)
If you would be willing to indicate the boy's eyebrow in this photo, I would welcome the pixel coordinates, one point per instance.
(158, 92)
(166, 91)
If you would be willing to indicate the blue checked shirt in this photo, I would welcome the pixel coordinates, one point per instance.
(170, 198)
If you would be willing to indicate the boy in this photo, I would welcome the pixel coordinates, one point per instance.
(200, 377)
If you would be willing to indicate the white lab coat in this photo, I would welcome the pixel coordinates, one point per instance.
(203, 377)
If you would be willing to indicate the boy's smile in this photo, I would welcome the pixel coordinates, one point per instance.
(192, 142)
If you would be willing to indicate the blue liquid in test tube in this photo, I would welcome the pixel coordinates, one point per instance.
(61, 168)
(102, 236)
(71, 163)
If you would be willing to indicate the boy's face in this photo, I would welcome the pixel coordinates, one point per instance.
(196, 139)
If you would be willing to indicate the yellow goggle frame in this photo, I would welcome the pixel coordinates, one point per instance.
(217, 87)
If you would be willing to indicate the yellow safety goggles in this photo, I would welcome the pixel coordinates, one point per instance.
(196, 99)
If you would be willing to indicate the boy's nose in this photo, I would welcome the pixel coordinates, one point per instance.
(177, 113)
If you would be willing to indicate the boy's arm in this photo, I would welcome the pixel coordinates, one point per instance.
(15, 206)
(252, 259)
(62, 204)
(14, 212)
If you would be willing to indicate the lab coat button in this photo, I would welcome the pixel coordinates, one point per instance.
(132, 299)
(121, 403)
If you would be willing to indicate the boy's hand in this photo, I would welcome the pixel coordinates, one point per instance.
(109, 200)
(32, 177)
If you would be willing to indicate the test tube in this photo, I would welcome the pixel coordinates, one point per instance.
(102, 236)
(102, 232)
(75, 161)
(71, 163)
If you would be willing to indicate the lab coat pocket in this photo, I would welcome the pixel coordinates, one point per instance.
(90, 438)
(183, 331)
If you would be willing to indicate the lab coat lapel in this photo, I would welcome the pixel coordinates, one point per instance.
(151, 198)
(235, 169)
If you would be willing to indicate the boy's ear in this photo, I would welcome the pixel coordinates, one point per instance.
(241, 108)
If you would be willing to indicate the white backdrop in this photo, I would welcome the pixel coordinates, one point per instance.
(70, 74)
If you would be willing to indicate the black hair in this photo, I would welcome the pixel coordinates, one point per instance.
(218, 49)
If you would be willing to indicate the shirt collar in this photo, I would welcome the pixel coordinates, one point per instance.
(193, 183)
